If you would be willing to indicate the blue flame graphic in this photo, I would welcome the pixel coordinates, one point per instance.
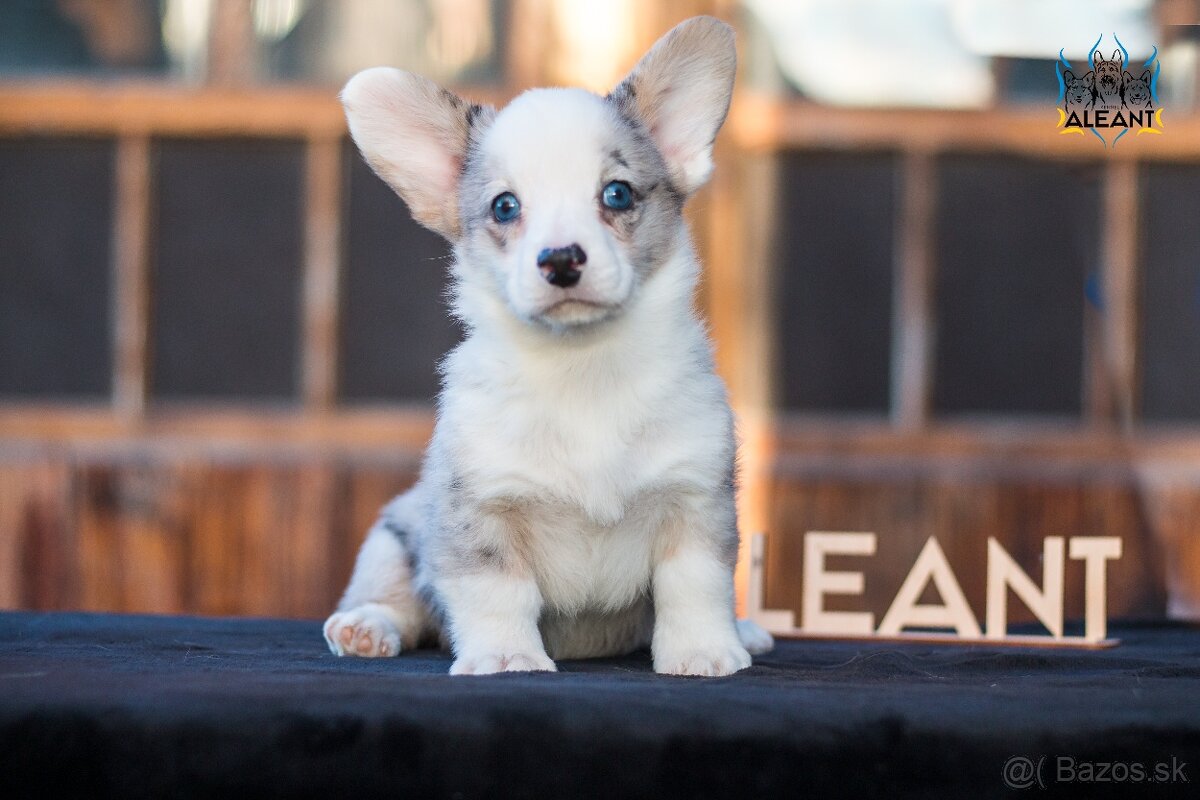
(1124, 54)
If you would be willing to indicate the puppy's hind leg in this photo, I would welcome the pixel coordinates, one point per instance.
(754, 637)
(380, 613)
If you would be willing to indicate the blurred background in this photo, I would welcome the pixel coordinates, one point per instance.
(937, 316)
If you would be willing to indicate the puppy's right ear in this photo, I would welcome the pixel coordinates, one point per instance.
(415, 135)
(1068, 76)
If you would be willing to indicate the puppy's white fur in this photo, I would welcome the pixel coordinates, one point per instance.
(577, 496)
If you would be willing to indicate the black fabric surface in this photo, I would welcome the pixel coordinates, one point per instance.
(125, 706)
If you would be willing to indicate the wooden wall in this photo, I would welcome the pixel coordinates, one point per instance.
(131, 497)
(167, 522)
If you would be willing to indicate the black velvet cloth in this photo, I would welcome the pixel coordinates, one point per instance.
(140, 706)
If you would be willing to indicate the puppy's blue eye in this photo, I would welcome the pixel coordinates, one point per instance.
(506, 207)
(617, 195)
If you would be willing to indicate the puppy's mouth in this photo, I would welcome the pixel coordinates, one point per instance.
(572, 311)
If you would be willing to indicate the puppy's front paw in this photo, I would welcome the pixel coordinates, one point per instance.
(363, 631)
(489, 663)
(712, 661)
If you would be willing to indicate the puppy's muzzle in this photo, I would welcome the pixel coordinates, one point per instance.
(561, 265)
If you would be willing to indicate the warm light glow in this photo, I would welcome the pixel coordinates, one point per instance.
(460, 33)
(274, 19)
(185, 34)
(595, 42)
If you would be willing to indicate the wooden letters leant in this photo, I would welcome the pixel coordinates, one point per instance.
(953, 613)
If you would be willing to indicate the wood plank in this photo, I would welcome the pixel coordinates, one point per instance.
(232, 46)
(95, 500)
(300, 528)
(741, 313)
(913, 325)
(38, 565)
(131, 549)
(1172, 510)
(66, 108)
(378, 433)
(131, 276)
(761, 122)
(1111, 383)
(322, 267)
(813, 438)
(215, 520)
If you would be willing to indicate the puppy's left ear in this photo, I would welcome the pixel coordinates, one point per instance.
(680, 91)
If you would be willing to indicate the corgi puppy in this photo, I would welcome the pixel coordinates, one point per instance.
(577, 496)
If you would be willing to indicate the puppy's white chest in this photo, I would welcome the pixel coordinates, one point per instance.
(580, 565)
(593, 454)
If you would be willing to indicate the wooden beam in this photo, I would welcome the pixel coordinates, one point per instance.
(322, 266)
(232, 46)
(215, 430)
(160, 110)
(745, 325)
(1111, 382)
(131, 276)
(760, 122)
(131, 108)
(913, 326)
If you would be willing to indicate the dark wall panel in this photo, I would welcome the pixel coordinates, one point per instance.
(1016, 241)
(395, 321)
(1171, 293)
(227, 269)
(833, 273)
(55, 252)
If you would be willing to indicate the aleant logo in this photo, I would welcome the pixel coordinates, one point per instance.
(1111, 98)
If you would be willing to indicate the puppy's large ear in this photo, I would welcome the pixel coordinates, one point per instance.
(680, 91)
(415, 135)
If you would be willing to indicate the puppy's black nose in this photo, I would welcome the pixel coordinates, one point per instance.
(561, 265)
